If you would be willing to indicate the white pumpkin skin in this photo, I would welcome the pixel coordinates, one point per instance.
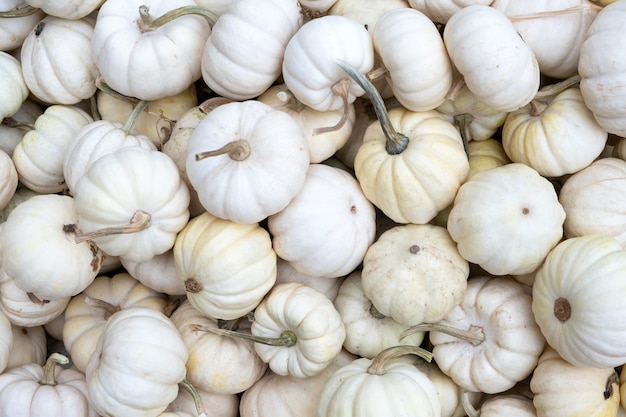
(158, 273)
(29, 346)
(586, 303)
(221, 405)
(327, 227)
(119, 45)
(26, 115)
(67, 9)
(13, 88)
(440, 11)
(366, 13)
(498, 67)
(13, 30)
(8, 179)
(287, 273)
(508, 405)
(248, 43)
(57, 60)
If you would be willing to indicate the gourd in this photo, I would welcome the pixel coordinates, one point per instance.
(67, 9)
(327, 227)
(221, 405)
(29, 346)
(514, 232)
(32, 389)
(39, 250)
(496, 64)
(139, 56)
(39, 156)
(246, 161)
(585, 199)
(414, 274)
(368, 332)
(575, 302)
(158, 273)
(248, 43)
(217, 364)
(17, 19)
(140, 348)
(87, 313)
(418, 68)
(440, 11)
(132, 203)
(287, 273)
(227, 267)
(367, 12)
(297, 330)
(554, 134)
(13, 88)
(416, 144)
(563, 390)
(505, 405)
(602, 85)
(362, 387)
(8, 181)
(490, 341)
(486, 154)
(57, 61)
(554, 30)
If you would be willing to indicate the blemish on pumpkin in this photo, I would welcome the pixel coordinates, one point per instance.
(69, 228)
(562, 309)
(192, 286)
(525, 210)
(353, 209)
(609, 390)
(39, 28)
(414, 249)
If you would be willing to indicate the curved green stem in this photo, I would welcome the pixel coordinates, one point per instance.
(377, 366)
(19, 11)
(132, 118)
(50, 367)
(188, 386)
(147, 22)
(286, 339)
(16, 124)
(396, 142)
(469, 408)
(106, 88)
(475, 335)
(237, 150)
(556, 88)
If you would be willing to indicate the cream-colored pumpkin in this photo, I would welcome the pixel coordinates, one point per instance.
(57, 60)
(146, 62)
(32, 389)
(494, 341)
(439, 11)
(13, 30)
(87, 313)
(414, 274)
(563, 390)
(590, 198)
(285, 272)
(217, 364)
(486, 154)
(227, 267)
(327, 227)
(220, 405)
(140, 348)
(29, 346)
(246, 161)
(368, 332)
(38, 157)
(138, 190)
(39, 250)
(602, 86)
(247, 44)
(496, 64)
(8, 179)
(578, 305)
(157, 119)
(366, 12)
(507, 405)
(309, 66)
(158, 273)
(419, 71)
(506, 219)
(555, 135)
(68, 9)
(13, 88)
(554, 30)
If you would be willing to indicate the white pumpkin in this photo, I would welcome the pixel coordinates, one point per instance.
(139, 191)
(496, 64)
(365, 12)
(246, 161)
(146, 62)
(244, 52)
(18, 19)
(158, 273)
(439, 11)
(29, 346)
(67, 9)
(57, 60)
(13, 88)
(327, 227)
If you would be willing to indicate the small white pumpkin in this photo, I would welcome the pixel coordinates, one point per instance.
(29, 346)
(17, 20)
(13, 88)
(158, 273)
(287, 273)
(506, 405)
(496, 63)
(367, 12)
(67, 9)
(439, 11)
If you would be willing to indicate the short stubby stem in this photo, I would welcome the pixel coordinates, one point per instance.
(49, 368)
(108, 308)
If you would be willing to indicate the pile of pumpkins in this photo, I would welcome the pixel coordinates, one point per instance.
(312, 208)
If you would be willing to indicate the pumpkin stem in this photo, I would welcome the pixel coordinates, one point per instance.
(147, 22)
(50, 367)
(109, 309)
(553, 13)
(286, 339)
(611, 383)
(469, 408)
(18, 11)
(475, 335)
(341, 88)
(557, 88)
(36, 300)
(106, 88)
(288, 100)
(396, 142)
(237, 150)
(463, 122)
(132, 118)
(456, 88)
(197, 400)
(377, 366)
(140, 221)
(377, 73)
(11, 122)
